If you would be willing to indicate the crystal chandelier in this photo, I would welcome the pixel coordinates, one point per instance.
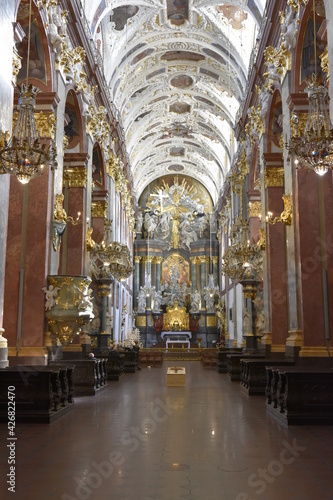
(25, 154)
(110, 259)
(314, 147)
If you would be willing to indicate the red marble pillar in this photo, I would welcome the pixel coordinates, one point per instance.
(99, 213)
(314, 254)
(27, 258)
(75, 183)
(276, 253)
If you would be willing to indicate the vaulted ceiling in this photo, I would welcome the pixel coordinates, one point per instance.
(177, 72)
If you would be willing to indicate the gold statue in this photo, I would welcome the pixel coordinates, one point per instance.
(90, 243)
(59, 212)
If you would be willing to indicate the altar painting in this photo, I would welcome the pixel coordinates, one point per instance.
(175, 262)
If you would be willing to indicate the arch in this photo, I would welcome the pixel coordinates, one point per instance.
(73, 127)
(40, 66)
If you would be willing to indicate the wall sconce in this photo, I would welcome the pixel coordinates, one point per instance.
(60, 220)
(286, 217)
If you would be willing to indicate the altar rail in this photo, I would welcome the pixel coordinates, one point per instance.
(298, 395)
(150, 357)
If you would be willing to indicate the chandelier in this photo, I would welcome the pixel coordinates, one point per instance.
(240, 255)
(110, 259)
(25, 154)
(313, 148)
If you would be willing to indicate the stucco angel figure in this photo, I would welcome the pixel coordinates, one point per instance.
(195, 302)
(54, 28)
(289, 27)
(85, 301)
(50, 296)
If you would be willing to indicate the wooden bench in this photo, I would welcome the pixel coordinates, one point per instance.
(89, 375)
(42, 393)
(209, 358)
(221, 362)
(300, 395)
(253, 376)
(233, 363)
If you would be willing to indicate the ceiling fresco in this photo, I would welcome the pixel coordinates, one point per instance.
(177, 72)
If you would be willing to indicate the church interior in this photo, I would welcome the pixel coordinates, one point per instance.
(166, 250)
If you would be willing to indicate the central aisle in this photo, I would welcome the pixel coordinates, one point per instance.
(142, 440)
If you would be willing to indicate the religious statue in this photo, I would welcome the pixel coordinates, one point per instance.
(150, 224)
(195, 302)
(209, 293)
(289, 27)
(157, 298)
(142, 300)
(59, 212)
(139, 222)
(90, 243)
(85, 301)
(247, 322)
(50, 296)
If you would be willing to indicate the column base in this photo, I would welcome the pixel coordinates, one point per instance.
(3, 350)
(27, 356)
(295, 338)
(316, 352)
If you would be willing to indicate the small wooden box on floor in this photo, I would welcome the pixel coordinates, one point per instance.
(176, 376)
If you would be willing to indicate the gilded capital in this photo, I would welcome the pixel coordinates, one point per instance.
(99, 209)
(75, 177)
(46, 124)
(254, 209)
(137, 260)
(274, 177)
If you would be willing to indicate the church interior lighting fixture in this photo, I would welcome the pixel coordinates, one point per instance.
(110, 259)
(286, 217)
(25, 154)
(313, 148)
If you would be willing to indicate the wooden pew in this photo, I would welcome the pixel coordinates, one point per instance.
(42, 393)
(300, 395)
(253, 376)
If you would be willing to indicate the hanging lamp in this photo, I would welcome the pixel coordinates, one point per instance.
(314, 147)
(26, 154)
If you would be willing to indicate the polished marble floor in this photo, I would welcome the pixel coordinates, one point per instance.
(142, 440)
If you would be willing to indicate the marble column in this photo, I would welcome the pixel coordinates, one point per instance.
(202, 280)
(136, 279)
(215, 261)
(276, 253)
(58, 174)
(158, 272)
(75, 183)
(148, 274)
(193, 261)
